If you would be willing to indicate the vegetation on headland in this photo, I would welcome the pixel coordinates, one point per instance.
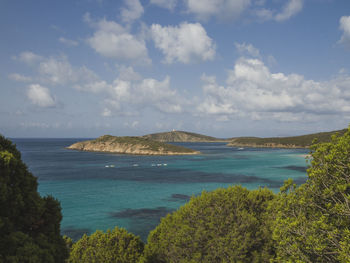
(303, 141)
(131, 145)
(182, 136)
(306, 223)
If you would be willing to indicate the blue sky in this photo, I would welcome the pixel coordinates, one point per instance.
(84, 68)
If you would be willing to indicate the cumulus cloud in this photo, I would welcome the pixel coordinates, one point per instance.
(28, 57)
(59, 71)
(290, 9)
(252, 91)
(168, 4)
(185, 43)
(249, 49)
(54, 71)
(345, 27)
(68, 42)
(129, 93)
(222, 9)
(114, 41)
(40, 96)
(132, 11)
(19, 77)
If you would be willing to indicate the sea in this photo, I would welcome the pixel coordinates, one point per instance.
(102, 190)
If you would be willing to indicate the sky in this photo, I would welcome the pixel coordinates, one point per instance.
(224, 68)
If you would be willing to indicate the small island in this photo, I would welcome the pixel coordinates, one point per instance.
(131, 145)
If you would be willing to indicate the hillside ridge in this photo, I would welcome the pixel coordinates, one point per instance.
(182, 136)
(302, 141)
(130, 145)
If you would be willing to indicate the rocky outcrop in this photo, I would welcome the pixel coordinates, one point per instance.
(130, 145)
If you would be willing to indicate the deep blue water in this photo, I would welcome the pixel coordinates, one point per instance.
(101, 191)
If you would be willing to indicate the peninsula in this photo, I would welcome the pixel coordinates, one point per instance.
(131, 145)
(303, 141)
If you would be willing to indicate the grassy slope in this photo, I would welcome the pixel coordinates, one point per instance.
(297, 141)
(181, 136)
(146, 143)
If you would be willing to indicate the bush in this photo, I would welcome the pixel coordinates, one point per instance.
(113, 246)
(226, 225)
(313, 221)
(29, 224)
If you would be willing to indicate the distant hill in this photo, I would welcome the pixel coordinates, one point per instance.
(182, 136)
(130, 145)
(303, 141)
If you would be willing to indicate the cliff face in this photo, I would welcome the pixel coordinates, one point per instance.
(130, 145)
(181, 136)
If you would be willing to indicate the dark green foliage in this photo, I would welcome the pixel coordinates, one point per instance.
(116, 246)
(29, 224)
(313, 221)
(296, 141)
(226, 225)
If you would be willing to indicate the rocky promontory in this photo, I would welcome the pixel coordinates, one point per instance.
(131, 145)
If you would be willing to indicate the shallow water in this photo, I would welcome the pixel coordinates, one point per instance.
(101, 191)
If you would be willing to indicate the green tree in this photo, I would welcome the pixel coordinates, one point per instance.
(313, 221)
(117, 246)
(226, 225)
(29, 224)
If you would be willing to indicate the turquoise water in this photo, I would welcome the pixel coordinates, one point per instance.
(101, 191)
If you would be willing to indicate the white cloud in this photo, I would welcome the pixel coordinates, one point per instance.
(222, 9)
(345, 27)
(128, 94)
(60, 71)
(40, 96)
(19, 77)
(247, 49)
(168, 4)
(114, 41)
(233, 9)
(253, 91)
(264, 14)
(28, 57)
(68, 42)
(133, 11)
(132, 125)
(185, 43)
(106, 112)
(54, 71)
(290, 9)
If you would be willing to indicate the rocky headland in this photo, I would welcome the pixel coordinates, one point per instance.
(131, 145)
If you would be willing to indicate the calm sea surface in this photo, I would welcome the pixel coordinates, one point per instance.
(101, 191)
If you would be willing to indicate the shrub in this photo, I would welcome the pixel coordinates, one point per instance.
(313, 221)
(113, 246)
(226, 225)
(29, 224)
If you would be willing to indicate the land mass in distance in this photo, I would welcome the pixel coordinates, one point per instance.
(154, 144)
(303, 141)
(131, 145)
